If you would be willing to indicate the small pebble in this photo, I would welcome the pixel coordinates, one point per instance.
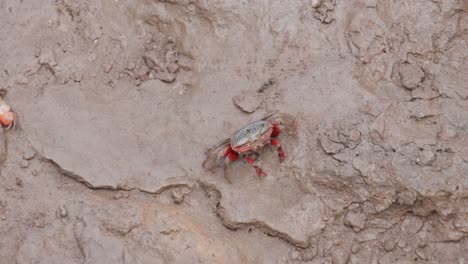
(29, 154)
(92, 57)
(3, 203)
(316, 3)
(19, 182)
(177, 196)
(37, 52)
(152, 74)
(165, 76)
(309, 253)
(355, 248)
(77, 76)
(407, 249)
(410, 75)
(131, 65)
(47, 57)
(421, 253)
(340, 255)
(107, 67)
(63, 211)
(267, 84)
(24, 164)
(426, 156)
(173, 67)
(120, 195)
(389, 245)
(422, 243)
(248, 102)
(34, 172)
(328, 260)
(401, 244)
(294, 254)
(407, 197)
(3, 217)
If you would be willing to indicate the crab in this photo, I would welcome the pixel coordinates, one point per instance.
(7, 116)
(248, 141)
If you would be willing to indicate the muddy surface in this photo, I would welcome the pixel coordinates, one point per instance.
(118, 100)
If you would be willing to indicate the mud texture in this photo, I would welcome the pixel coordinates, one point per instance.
(118, 100)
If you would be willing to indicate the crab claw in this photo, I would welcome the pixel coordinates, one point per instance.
(8, 119)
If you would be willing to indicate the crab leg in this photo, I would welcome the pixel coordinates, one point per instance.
(257, 169)
(275, 143)
(230, 156)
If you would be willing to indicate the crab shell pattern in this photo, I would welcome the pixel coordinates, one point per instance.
(252, 137)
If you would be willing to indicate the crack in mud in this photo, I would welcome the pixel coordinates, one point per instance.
(231, 225)
(80, 179)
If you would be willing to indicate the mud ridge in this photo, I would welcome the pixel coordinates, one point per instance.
(80, 179)
(266, 229)
(77, 177)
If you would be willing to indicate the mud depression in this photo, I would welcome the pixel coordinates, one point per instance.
(117, 101)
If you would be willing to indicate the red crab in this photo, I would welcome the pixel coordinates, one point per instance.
(248, 141)
(7, 116)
